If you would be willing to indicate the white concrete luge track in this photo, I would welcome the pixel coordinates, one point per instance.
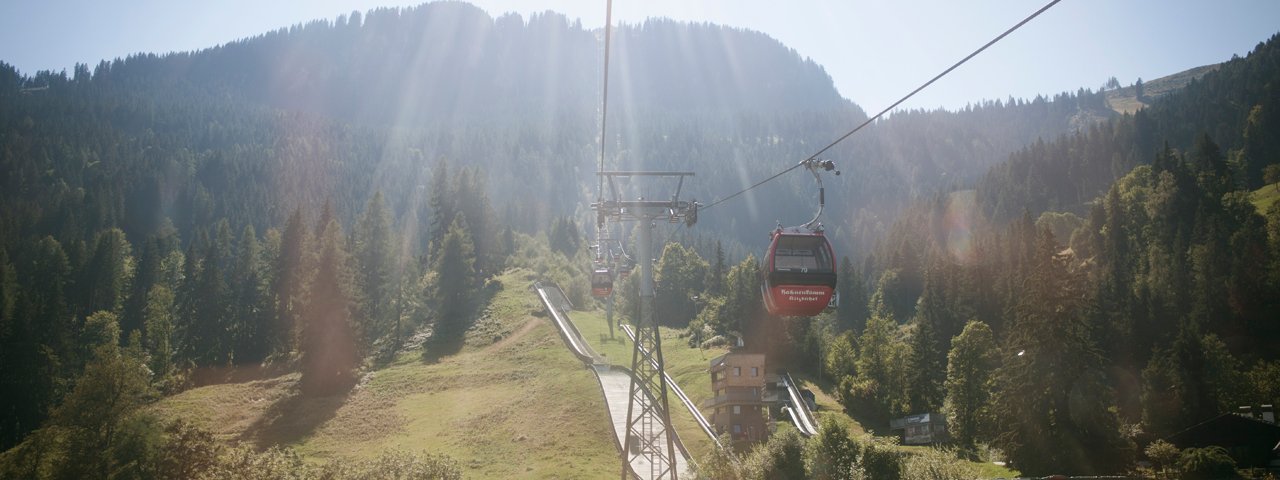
(615, 382)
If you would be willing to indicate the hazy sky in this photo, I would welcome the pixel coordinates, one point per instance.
(875, 50)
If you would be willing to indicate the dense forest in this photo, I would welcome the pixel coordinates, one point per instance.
(341, 186)
(1071, 342)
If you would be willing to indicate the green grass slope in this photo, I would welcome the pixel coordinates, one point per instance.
(1124, 100)
(1264, 197)
(514, 403)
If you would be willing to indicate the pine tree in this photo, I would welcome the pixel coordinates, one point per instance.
(290, 283)
(149, 271)
(105, 279)
(472, 201)
(970, 364)
(375, 272)
(208, 335)
(18, 353)
(1190, 381)
(677, 277)
(49, 361)
(742, 301)
(252, 311)
(329, 353)
(442, 204)
(158, 331)
(455, 280)
(1055, 405)
(716, 276)
(876, 390)
(852, 313)
(927, 362)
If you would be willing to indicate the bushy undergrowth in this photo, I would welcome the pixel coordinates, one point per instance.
(833, 454)
(180, 451)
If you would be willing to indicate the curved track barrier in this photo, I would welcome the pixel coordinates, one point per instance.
(799, 411)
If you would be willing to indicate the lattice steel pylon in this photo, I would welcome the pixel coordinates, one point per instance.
(650, 440)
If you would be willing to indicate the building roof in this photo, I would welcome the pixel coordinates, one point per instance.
(900, 423)
(715, 362)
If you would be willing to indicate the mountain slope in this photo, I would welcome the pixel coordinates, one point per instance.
(1125, 100)
(508, 405)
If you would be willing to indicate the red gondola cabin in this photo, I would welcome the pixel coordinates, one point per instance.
(601, 282)
(800, 273)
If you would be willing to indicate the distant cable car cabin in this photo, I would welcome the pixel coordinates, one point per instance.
(800, 273)
(601, 282)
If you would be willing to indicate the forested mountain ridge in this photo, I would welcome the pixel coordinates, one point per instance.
(1235, 105)
(444, 80)
(451, 62)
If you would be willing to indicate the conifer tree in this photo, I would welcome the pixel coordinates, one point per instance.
(472, 201)
(851, 315)
(877, 390)
(678, 276)
(329, 350)
(742, 301)
(48, 360)
(970, 364)
(1193, 379)
(105, 279)
(18, 354)
(252, 311)
(375, 271)
(149, 271)
(290, 282)
(455, 279)
(208, 336)
(716, 275)
(158, 330)
(1055, 405)
(443, 210)
(927, 361)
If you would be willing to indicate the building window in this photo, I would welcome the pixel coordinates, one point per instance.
(737, 429)
(755, 371)
(737, 371)
(737, 409)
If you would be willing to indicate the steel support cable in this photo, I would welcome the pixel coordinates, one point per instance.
(604, 102)
(895, 104)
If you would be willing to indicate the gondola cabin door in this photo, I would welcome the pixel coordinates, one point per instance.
(799, 274)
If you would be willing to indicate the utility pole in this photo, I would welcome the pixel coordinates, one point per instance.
(650, 439)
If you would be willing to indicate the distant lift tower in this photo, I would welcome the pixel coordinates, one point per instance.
(650, 440)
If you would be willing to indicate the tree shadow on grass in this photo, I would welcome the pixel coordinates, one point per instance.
(442, 343)
(450, 335)
(293, 418)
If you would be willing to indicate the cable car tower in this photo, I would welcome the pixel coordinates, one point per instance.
(649, 435)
